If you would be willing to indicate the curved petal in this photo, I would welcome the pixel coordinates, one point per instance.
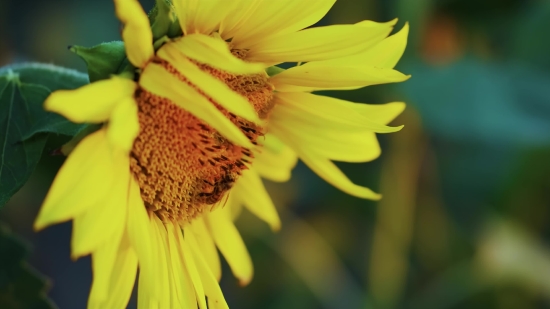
(106, 220)
(266, 18)
(211, 86)
(333, 175)
(115, 267)
(142, 241)
(91, 103)
(313, 76)
(385, 54)
(319, 43)
(275, 160)
(163, 275)
(207, 247)
(124, 124)
(184, 290)
(84, 180)
(197, 16)
(137, 35)
(190, 262)
(359, 146)
(229, 241)
(380, 113)
(212, 290)
(158, 81)
(252, 192)
(215, 52)
(324, 112)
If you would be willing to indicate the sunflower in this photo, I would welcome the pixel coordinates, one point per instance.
(188, 135)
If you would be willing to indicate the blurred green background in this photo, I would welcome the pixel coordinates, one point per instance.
(464, 222)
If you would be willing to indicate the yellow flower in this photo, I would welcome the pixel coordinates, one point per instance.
(202, 119)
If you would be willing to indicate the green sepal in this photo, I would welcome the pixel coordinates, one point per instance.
(162, 17)
(24, 125)
(274, 70)
(102, 60)
(21, 286)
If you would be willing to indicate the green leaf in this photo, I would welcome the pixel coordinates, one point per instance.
(102, 60)
(24, 125)
(21, 286)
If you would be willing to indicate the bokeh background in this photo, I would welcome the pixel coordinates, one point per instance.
(465, 219)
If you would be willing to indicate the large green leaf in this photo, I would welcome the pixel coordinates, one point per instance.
(24, 124)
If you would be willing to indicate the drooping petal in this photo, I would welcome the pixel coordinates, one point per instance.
(207, 246)
(385, 54)
(271, 18)
(124, 124)
(105, 221)
(190, 262)
(318, 43)
(204, 17)
(212, 290)
(325, 112)
(113, 282)
(312, 76)
(141, 239)
(381, 113)
(85, 179)
(333, 175)
(229, 242)
(214, 52)
(212, 87)
(137, 35)
(275, 160)
(91, 103)
(163, 275)
(252, 192)
(185, 292)
(358, 146)
(158, 81)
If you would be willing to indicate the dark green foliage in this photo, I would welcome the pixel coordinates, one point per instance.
(25, 125)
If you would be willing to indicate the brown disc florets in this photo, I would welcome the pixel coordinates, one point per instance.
(183, 165)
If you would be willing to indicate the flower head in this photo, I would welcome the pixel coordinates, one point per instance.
(188, 136)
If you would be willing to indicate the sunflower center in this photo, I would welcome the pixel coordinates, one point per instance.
(183, 165)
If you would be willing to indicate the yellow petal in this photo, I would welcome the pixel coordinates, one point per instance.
(385, 54)
(317, 43)
(271, 18)
(141, 239)
(198, 16)
(215, 52)
(163, 276)
(105, 221)
(211, 86)
(158, 81)
(324, 112)
(275, 160)
(85, 179)
(211, 287)
(137, 35)
(91, 103)
(113, 283)
(229, 241)
(207, 246)
(252, 192)
(186, 251)
(360, 146)
(124, 124)
(312, 76)
(381, 113)
(333, 175)
(185, 292)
